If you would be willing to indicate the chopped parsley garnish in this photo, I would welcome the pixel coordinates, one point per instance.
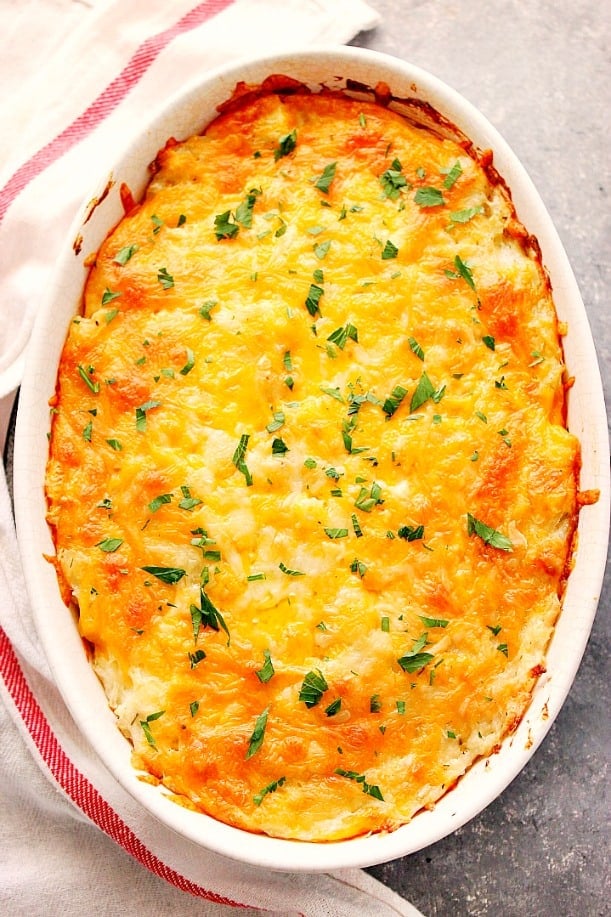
(462, 270)
(142, 411)
(375, 704)
(194, 707)
(115, 444)
(108, 296)
(207, 615)
(266, 672)
(496, 629)
(286, 145)
(333, 392)
(313, 687)
(243, 213)
(415, 659)
(256, 739)
(463, 216)
(334, 707)
(416, 348)
(87, 431)
(488, 535)
(279, 447)
(255, 577)
(223, 227)
(357, 566)
(188, 502)
(313, 298)
(157, 224)
(333, 534)
(166, 574)
(108, 545)
(238, 458)
(342, 335)
(321, 249)
(453, 175)
(423, 391)
(85, 375)
(411, 532)
(323, 183)
(270, 788)
(429, 197)
(146, 729)
(502, 648)
(370, 789)
(165, 279)
(367, 499)
(390, 404)
(276, 423)
(206, 308)
(489, 341)
(355, 525)
(159, 501)
(196, 657)
(125, 253)
(189, 364)
(392, 180)
(389, 251)
(288, 571)
(433, 622)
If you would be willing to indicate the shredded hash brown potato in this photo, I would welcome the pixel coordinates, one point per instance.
(310, 483)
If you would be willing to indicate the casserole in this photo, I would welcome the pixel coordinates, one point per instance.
(363, 70)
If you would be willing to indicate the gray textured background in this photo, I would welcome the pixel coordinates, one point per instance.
(541, 73)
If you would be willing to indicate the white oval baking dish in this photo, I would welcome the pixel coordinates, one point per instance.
(186, 114)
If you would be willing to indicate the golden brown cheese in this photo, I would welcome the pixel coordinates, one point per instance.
(309, 481)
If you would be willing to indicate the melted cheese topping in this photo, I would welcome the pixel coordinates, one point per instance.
(309, 481)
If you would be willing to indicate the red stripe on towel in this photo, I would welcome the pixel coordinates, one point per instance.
(78, 787)
(109, 98)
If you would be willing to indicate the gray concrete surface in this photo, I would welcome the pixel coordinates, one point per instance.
(541, 73)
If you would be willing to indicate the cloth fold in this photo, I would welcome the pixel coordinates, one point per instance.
(107, 68)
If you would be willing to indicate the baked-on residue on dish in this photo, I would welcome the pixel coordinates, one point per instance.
(310, 483)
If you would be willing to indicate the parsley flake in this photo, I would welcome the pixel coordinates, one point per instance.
(313, 298)
(108, 545)
(286, 145)
(223, 227)
(124, 254)
(165, 279)
(390, 404)
(313, 687)
(256, 739)
(389, 251)
(488, 535)
(324, 181)
(166, 574)
(270, 788)
(267, 671)
(429, 197)
(342, 335)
